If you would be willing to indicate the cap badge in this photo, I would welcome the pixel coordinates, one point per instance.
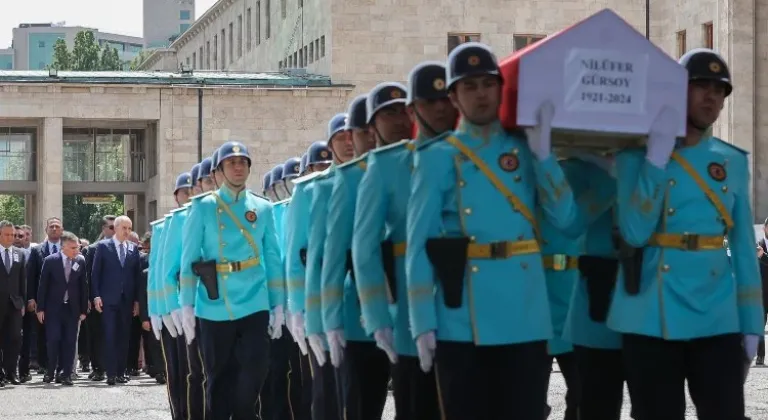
(323, 154)
(296, 168)
(236, 149)
(438, 84)
(714, 67)
(395, 94)
(473, 60)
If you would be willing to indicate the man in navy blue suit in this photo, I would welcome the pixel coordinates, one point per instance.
(115, 283)
(62, 302)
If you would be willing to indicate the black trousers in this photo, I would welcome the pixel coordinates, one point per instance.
(278, 395)
(95, 328)
(194, 379)
(492, 382)
(657, 370)
(601, 372)
(153, 355)
(169, 347)
(301, 383)
(570, 372)
(134, 343)
(365, 374)
(236, 357)
(761, 346)
(10, 335)
(29, 326)
(83, 344)
(42, 347)
(325, 392)
(415, 391)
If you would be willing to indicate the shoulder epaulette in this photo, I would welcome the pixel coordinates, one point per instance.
(729, 145)
(158, 221)
(187, 205)
(167, 216)
(307, 177)
(174, 211)
(199, 196)
(258, 195)
(281, 202)
(393, 146)
(355, 162)
(426, 143)
(328, 173)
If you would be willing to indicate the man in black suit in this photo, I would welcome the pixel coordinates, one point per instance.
(93, 319)
(115, 281)
(13, 295)
(61, 305)
(37, 254)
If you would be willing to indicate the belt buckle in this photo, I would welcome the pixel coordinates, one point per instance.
(498, 250)
(559, 262)
(234, 267)
(690, 241)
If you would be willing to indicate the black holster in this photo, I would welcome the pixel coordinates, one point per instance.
(206, 270)
(600, 276)
(303, 256)
(631, 260)
(449, 259)
(388, 263)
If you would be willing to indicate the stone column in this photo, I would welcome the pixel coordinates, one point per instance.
(50, 188)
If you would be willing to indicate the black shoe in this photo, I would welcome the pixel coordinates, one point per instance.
(134, 373)
(58, 378)
(67, 382)
(122, 380)
(760, 361)
(13, 381)
(85, 368)
(110, 381)
(160, 378)
(98, 377)
(2, 384)
(47, 379)
(25, 378)
(41, 371)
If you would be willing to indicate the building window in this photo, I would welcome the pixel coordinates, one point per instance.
(215, 52)
(681, 48)
(239, 36)
(267, 29)
(456, 39)
(183, 27)
(709, 35)
(296, 59)
(188, 61)
(201, 57)
(40, 44)
(258, 22)
(283, 6)
(317, 49)
(305, 56)
(231, 44)
(311, 52)
(208, 55)
(41, 65)
(522, 41)
(322, 46)
(194, 60)
(248, 30)
(290, 62)
(280, 65)
(185, 14)
(223, 49)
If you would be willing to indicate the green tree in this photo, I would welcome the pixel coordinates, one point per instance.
(85, 53)
(84, 220)
(62, 59)
(110, 60)
(136, 62)
(12, 209)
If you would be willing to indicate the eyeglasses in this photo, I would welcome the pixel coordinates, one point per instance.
(20, 236)
(111, 227)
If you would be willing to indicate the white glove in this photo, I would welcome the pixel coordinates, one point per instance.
(276, 322)
(188, 323)
(750, 346)
(316, 343)
(169, 325)
(540, 137)
(176, 317)
(297, 330)
(157, 325)
(336, 344)
(661, 139)
(425, 346)
(385, 340)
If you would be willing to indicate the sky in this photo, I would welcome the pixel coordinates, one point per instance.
(116, 16)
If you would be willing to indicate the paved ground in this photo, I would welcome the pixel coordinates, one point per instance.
(143, 399)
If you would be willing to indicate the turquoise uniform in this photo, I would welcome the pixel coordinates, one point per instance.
(382, 204)
(686, 294)
(170, 257)
(340, 305)
(596, 207)
(214, 230)
(278, 210)
(504, 301)
(155, 299)
(296, 238)
(318, 213)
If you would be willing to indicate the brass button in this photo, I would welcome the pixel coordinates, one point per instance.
(671, 182)
(472, 239)
(517, 178)
(223, 244)
(475, 269)
(724, 188)
(671, 211)
(462, 183)
(253, 225)
(241, 231)
(467, 211)
(222, 227)
(221, 211)
(224, 277)
(665, 268)
(515, 151)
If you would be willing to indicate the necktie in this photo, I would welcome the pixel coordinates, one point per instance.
(54, 249)
(122, 254)
(7, 261)
(67, 272)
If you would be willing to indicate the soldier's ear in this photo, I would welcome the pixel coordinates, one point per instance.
(411, 111)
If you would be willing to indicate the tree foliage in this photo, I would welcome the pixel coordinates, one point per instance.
(84, 220)
(136, 62)
(85, 55)
(12, 209)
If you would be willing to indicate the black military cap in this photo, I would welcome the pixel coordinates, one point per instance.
(705, 64)
(427, 81)
(382, 96)
(470, 59)
(356, 113)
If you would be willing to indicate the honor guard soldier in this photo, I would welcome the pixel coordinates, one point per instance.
(195, 171)
(365, 371)
(319, 156)
(685, 309)
(291, 171)
(266, 181)
(192, 359)
(303, 165)
(229, 243)
(324, 381)
(378, 246)
(276, 181)
(490, 312)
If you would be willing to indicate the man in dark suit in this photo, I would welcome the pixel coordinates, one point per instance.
(62, 302)
(93, 320)
(13, 296)
(116, 277)
(37, 254)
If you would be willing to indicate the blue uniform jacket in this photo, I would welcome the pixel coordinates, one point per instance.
(170, 257)
(155, 299)
(318, 215)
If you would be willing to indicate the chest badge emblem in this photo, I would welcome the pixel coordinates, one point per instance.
(250, 216)
(717, 171)
(508, 162)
